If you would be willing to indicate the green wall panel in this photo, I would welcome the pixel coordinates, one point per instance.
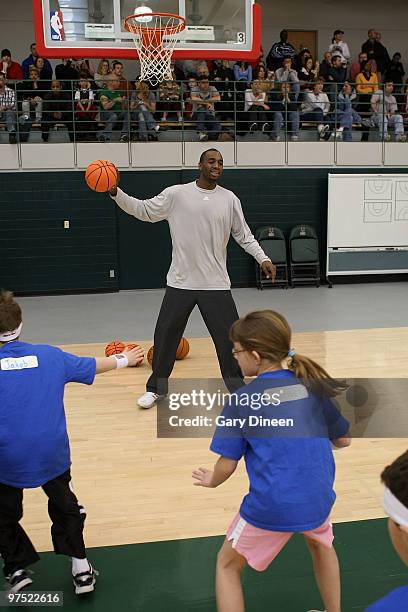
(38, 255)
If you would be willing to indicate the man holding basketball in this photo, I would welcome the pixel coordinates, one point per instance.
(202, 216)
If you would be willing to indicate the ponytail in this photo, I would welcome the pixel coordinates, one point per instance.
(269, 334)
(314, 376)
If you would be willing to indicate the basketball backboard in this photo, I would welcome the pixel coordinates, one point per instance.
(229, 29)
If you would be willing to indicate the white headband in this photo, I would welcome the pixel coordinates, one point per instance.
(395, 509)
(11, 335)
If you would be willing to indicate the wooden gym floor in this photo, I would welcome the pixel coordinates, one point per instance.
(138, 489)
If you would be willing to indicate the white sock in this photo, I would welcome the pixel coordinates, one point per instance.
(79, 565)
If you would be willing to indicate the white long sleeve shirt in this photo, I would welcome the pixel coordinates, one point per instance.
(252, 99)
(312, 101)
(341, 49)
(201, 222)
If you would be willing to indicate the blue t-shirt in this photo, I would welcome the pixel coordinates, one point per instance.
(396, 601)
(34, 446)
(289, 461)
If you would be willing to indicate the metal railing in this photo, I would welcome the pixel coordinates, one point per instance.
(225, 110)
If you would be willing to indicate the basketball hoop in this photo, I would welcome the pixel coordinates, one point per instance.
(155, 36)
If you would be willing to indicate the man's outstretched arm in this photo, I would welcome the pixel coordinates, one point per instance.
(150, 210)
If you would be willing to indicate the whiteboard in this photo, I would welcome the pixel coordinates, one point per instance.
(367, 210)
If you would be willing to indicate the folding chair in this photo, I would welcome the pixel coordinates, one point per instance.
(273, 243)
(304, 256)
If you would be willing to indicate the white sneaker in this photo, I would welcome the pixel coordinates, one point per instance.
(323, 129)
(18, 580)
(294, 138)
(339, 133)
(148, 400)
(401, 138)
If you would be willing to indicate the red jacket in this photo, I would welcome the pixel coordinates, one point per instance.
(14, 72)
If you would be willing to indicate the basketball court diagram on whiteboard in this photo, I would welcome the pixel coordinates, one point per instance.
(379, 204)
(214, 29)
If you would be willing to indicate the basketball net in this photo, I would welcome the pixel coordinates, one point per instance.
(155, 36)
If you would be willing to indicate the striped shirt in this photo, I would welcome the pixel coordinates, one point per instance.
(8, 99)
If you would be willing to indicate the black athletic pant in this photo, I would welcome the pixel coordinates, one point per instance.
(219, 313)
(66, 514)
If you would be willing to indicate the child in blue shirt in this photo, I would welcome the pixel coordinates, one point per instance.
(34, 445)
(284, 424)
(395, 479)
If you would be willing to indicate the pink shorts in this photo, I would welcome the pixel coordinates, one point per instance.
(260, 546)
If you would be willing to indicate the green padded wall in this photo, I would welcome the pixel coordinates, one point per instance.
(38, 255)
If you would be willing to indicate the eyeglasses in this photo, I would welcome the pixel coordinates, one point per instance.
(236, 351)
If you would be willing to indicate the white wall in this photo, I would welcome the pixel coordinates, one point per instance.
(17, 30)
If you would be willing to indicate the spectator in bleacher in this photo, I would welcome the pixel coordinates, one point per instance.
(395, 72)
(308, 74)
(286, 74)
(124, 85)
(12, 70)
(224, 82)
(366, 80)
(347, 115)
(279, 51)
(30, 61)
(8, 108)
(337, 72)
(143, 107)
(375, 50)
(84, 65)
(169, 99)
(57, 110)
(366, 85)
(283, 105)
(67, 73)
(316, 108)
(111, 100)
(336, 77)
(339, 47)
(385, 113)
(32, 95)
(44, 70)
(256, 107)
(203, 70)
(223, 71)
(85, 108)
(203, 98)
(102, 73)
(325, 66)
(243, 71)
(191, 85)
(266, 79)
(301, 58)
(358, 65)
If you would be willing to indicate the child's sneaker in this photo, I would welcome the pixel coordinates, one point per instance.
(18, 580)
(85, 581)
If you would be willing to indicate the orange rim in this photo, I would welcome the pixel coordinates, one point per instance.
(166, 30)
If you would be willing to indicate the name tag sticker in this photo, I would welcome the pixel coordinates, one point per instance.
(19, 363)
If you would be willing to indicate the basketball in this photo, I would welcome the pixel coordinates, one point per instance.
(150, 355)
(131, 346)
(114, 348)
(101, 175)
(182, 349)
